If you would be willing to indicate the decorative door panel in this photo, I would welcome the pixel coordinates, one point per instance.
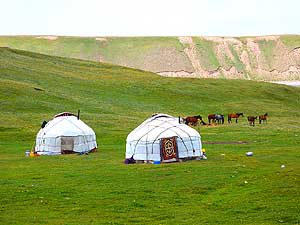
(168, 149)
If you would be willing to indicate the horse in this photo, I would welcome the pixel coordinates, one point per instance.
(234, 115)
(219, 118)
(193, 120)
(216, 117)
(251, 120)
(263, 118)
(211, 117)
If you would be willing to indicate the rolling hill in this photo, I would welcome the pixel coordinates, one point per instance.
(256, 58)
(228, 188)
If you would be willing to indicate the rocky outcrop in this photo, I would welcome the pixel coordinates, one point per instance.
(272, 58)
(258, 58)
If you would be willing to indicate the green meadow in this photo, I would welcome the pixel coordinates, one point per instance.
(227, 188)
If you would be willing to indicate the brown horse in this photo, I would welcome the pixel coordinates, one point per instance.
(211, 117)
(263, 118)
(193, 120)
(251, 120)
(234, 115)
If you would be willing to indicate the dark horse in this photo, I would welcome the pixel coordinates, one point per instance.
(193, 120)
(220, 118)
(251, 120)
(216, 117)
(234, 115)
(263, 118)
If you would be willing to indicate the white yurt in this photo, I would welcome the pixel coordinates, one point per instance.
(64, 134)
(163, 138)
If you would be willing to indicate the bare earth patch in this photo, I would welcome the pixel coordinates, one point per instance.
(100, 39)
(52, 38)
(191, 52)
(225, 142)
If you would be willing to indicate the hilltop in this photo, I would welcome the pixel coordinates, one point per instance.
(270, 58)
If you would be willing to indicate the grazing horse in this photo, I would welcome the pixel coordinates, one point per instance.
(251, 120)
(234, 115)
(219, 118)
(193, 120)
(211, 117)
(216, 117)
(263, 118)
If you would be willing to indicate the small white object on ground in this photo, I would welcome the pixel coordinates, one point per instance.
(249, 153)
(282, 166)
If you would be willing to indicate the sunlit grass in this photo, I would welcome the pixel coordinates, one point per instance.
(228, 188)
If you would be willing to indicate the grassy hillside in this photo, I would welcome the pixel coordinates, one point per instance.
(149, 53)
(267, 47)
(291, 41)
(74, 47)
(206, 53)
(228, 188)
(259, 58)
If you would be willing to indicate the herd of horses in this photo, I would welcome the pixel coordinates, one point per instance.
(219, 119)
(261, 118)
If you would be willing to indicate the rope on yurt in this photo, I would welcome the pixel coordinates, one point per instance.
(150, 120)
(174, 132)
(84, 136)
(137, 141)
(147, 146)
(154, 127)
(55, 123)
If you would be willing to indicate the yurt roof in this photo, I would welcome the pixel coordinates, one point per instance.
(160, 126)
(65, 125)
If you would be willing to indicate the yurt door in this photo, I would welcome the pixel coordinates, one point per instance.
(67, 145)
(168, 149)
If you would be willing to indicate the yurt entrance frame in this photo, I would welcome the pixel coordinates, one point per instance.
(168, 149)
(67, 144)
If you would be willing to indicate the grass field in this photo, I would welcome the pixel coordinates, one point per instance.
(291, 41)
(228, 188)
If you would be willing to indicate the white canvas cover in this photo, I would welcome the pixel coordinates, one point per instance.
(143, 143)
(65, 132)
